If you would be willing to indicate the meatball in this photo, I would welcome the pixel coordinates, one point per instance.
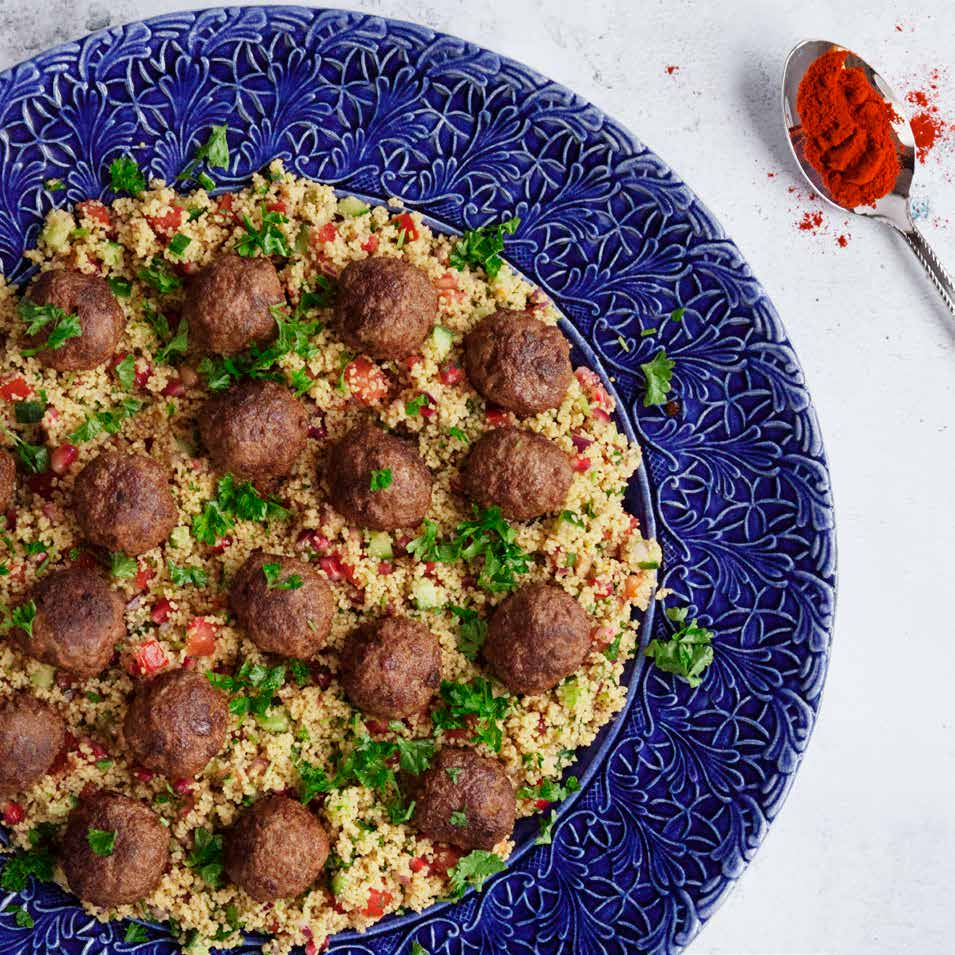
(278, 618)
(176, 723)
(536, 637)
(518, 362)
(385, 307)
(122, 502)
(523, 473)
(275, 850)
(255, 430)
(32, 735)
(390, 667)
(78, 622)
(8, 480)
(115, 850)
(465, 799)
(377, 480)
(227, 304)
(101, 319)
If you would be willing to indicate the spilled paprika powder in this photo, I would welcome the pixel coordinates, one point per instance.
(847, 130)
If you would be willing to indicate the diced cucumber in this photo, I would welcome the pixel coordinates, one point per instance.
(338, 883)
(56, 232)
(351, 206)
(112, 255)
(426, 594)
(42, 676)
(180, 537)
(379, 545)
(441, 340)
(275, 721)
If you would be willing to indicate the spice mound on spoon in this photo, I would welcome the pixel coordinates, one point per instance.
(850, 136)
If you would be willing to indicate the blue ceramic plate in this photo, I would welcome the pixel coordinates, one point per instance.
(680, 790)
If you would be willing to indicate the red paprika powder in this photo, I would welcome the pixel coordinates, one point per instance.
(847, 129)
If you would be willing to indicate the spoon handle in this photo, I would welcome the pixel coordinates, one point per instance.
(936, 271)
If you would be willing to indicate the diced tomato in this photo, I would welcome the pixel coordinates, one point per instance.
(581, 464)
(407, 225)
(168, 221)
(142, 376)
(221, 544)
(602, 588)
(15, 390)
(311, 539)
(447, 287)
(144, 574)
(593, 388)
(451, 374)
(599, 414)
(377, 900)
(277, 206)
(225, 201)
(200, 638)
(496, 417)
(365, 381)
(327, 233)
(150, 658)
(601, 637)
(541, 803)
(411, 360)
(143, 775)
(417, 864)
(385, 568)
(13, 813)
(62, 458)
(94, 210)
(333, 567)
(182, 787)
(162, 608)
(174, 388)
(370, 244)
(97, 751)
(443, 858)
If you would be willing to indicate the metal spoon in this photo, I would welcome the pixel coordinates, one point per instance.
(892, 209)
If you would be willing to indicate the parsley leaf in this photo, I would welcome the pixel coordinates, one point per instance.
(414, 406)
(35, 458)
(687, 653)
(60, 327)
(272, 572)
(206, 856)
(414, 755)
(21, 916)
(313, 781)
(125, 176)
(22, 617)
(177, 345)
(458, 819)
(234, 502)
(482, 247)
(253, 684)
(476, 699)
(110, 420)
(183, 576)
(474, 870)
(178, 244)
(300, 672)
(136, 933)
(53, 185)
(418, 949)
(120, 287)
(101, 841)
(269, 239)
(159, 276)
(658, 374)
(550, 790)
(546, 825)
(121, 566)
(126, 372)
(472, 630)
(215, 150)
(36, 862)
(380, 479)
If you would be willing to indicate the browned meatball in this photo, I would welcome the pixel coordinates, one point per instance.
(78, 622)
(465, 799)
(176, 723)
(101, 319)
(366, 456)
(275, 850)
(227, 304)
(122, 502)
(292, 621)
(536, 637)
(8, 480)
(523, 473)
(391, 667)
(255, 430)
(385, 307)
(518, 362)
(115, 850)
(32, 735)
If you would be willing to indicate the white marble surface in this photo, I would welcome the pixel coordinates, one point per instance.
(862, 859)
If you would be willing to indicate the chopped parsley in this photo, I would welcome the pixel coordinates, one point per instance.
(414, 755)
(269, 239)
(159, 276)
(178, 244)
(121, 566)
(414, 406)
(544, 837)
(35, 458)
(58, 325)
(234, 502)
(272, 572)
(252, 687)
(136, 934)
(453, 773)
(29, 412)
(613, 650)
(53, 185)
(21, 916)
(300, 672)
(571, 518)
(215, 152)
(418, 949)
(473, 870)
(110, 420)
(206, 856)
(101, 841)
(184, 576)
(459, 819)
(177, 345)
(658, 374)
(36, 861)
(126, 176)
(472, 630)
(456, 432)
(482, 247)
(474, 699)
(126, 372)
(380, 479)
(550, 790)
(687, 653)
(22, 617)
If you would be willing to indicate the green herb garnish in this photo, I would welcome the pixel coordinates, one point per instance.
(60, 326)
(269, 239)
(184, 576)
(658, 374)
(482, 247)
(272, 572)
(159, 276)
(110, 420)
(477, 699)
(29, 412)
(206, 856)
(178, 244)
(252, 687)
(135, 934)
(380, 479)
(125, 176)
(101, 841)
(473, 870)
(234, 502)
(687, 653)
(121, 566)
(126, 372)
(458, 819)
(472, 630)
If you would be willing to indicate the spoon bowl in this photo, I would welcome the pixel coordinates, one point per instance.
(892, 209)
